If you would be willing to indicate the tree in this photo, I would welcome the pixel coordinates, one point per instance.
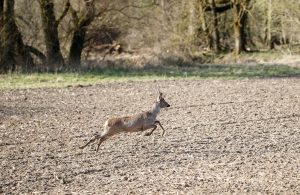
(79, 32)
(1, 20)
(216, 7)
(191, 20)
(240, 15)
(216, 37)
(203, 22)
(13, 51)
(82, 19)
(54, 58)
(268, 35)
(1, 14)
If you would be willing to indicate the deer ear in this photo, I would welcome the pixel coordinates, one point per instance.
(160, 95)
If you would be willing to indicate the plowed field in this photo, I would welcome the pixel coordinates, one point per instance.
(222, 136)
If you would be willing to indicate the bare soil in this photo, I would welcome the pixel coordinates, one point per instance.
(222, 136)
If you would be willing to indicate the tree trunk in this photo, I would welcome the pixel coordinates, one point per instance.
(269, 25)
(50, 24)
(78, 38)
(13, 51)
(1, 15)
(283, 32)
(191, 20)
(216, 42)
(76, 48)
(204, 25)
(1, 33)
(7, 58)
(240, 22)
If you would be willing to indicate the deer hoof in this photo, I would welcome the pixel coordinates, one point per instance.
(147, 134)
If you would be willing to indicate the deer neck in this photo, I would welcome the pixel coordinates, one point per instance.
(155, 109)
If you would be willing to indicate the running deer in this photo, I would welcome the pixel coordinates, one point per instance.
(134, 123)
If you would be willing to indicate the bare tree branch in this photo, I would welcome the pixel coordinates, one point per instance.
(74, 16)
(220, 8)
(36, 52)
(64, 13)
(21, 18)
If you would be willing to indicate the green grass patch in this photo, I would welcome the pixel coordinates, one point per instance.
(63, 79)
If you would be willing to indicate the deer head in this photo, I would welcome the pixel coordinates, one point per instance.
(162, 101)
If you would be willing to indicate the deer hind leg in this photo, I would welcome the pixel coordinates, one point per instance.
(157, 122)
(149, 133)
(102, 139)
(91, 141)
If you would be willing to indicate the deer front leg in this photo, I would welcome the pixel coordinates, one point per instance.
(149, 133)
(157, 122)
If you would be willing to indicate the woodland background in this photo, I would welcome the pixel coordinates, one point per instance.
(53, 35)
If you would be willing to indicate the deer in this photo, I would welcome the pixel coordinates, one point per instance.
(134, 123)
